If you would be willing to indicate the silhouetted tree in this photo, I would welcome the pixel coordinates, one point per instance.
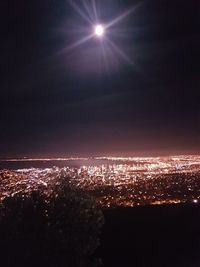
(59, 230)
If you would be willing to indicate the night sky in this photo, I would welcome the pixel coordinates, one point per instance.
(57, 100)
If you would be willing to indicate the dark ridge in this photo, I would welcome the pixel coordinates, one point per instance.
(167, 235)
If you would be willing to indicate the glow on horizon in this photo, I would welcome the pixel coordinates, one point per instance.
(112, 158)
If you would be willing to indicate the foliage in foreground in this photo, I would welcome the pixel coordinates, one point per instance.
(61, 230)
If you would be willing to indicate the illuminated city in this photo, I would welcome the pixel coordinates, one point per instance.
(112, 181)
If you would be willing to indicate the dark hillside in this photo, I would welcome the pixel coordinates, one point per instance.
(152, 236)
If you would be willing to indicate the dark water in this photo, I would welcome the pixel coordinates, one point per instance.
(26, 164)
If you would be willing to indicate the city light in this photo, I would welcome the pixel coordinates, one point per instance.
(112, 181)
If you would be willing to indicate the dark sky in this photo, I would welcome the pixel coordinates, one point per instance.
(60, 102)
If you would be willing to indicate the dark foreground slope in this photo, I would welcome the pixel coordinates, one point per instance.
(152, 236)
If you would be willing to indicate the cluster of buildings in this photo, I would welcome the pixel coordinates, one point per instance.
(118, 182)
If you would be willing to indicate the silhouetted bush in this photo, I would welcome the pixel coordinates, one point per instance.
(59, 230)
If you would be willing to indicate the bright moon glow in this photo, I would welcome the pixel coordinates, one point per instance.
(99, 30)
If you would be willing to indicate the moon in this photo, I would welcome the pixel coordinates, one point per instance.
(99, 30)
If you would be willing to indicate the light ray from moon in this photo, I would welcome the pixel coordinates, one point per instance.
(78, 43)
(94, 9)
(122, 16)
(120, 52)
(80, 12)
(88, 9)
(91, 16)
(91, 9)
(119, 18)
